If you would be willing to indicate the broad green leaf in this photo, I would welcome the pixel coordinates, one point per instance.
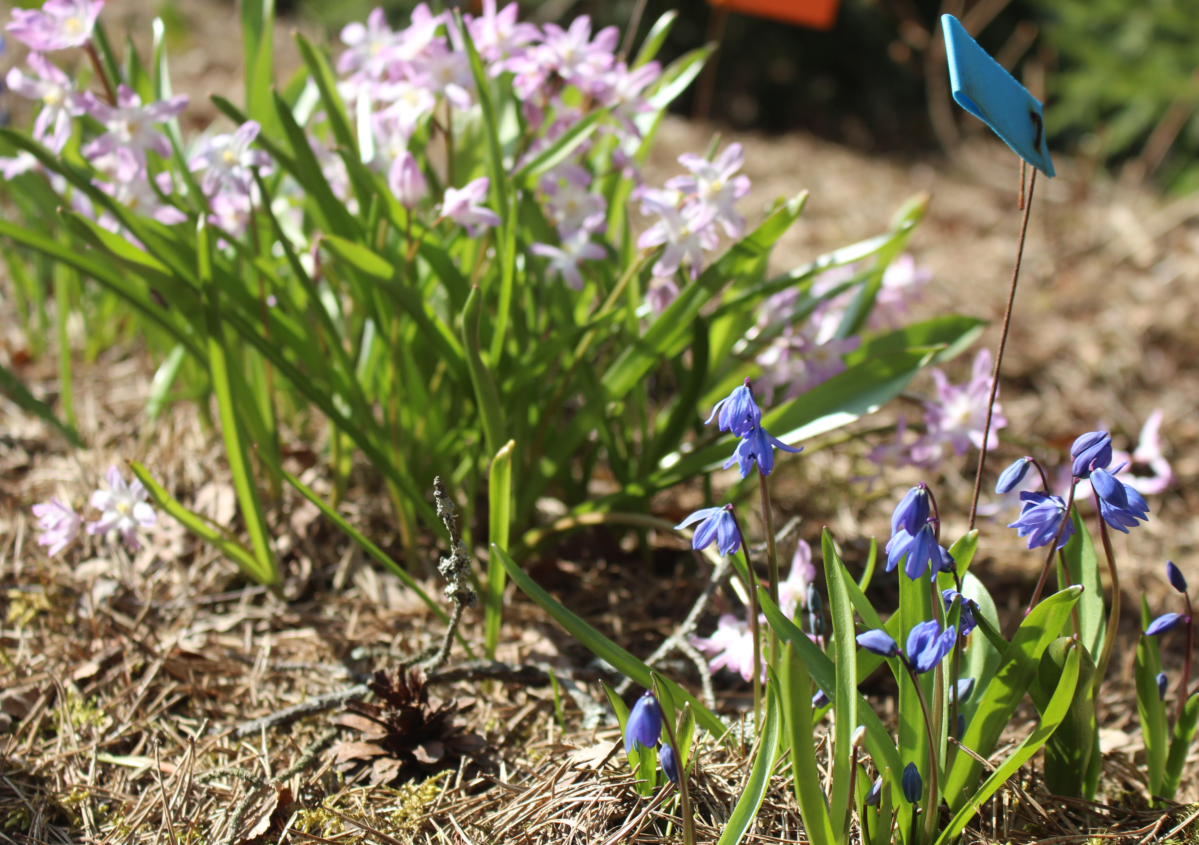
(618, 706)
(1180, 747)
(949, 336)
(963, 551)
(308, 173)
(1068, 751)
(1055, 712)
(846, 700)
(559, 151)
(228, 546)
(1083, 564)
(267, 569)
(1016, 671)
(499, 524)
(796, 688)
(982, 657)
(326, 83)
(685, 734)
(258, 43)
(601, 646)
(163, 381)
(678, 75)
(758, 784)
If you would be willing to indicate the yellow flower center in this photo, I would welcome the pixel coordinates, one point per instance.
(229, 157)
(73, 25)
(54, 97)
(123, 508)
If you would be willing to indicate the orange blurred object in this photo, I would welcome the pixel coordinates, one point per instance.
(815, 14)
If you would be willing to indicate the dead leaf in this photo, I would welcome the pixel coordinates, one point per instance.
(429, 753)
(593, 757)
(357, 751)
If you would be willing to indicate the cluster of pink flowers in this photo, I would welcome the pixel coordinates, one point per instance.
(123, 510)
(690, 209)
(731, 645)
(798, 358)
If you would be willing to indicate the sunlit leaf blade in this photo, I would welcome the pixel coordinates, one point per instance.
(796, 691)
(15, 390)
(1150, 707)
(499, 524)
(1083, 564)
(846, 699)
(1180, 747)
(758, 784)
(1055, 712)
(1068, 751)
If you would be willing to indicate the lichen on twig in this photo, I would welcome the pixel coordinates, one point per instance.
(456, 571)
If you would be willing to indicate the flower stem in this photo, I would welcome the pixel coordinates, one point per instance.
(772, 561)
(684, 792)
(1036, 593)
(1007, 322)
(90, 49)
(1113, 621)
(1186, 665)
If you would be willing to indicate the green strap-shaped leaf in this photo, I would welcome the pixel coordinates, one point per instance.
(796, 687)
(1180, 747)
(326, 83)
(488, 400)
(559, 151)
(266, 570)
(499, 524)
(1150, 707)
(1068, 751)
(258, 42)
(1001, 697)
(982, 657)
(949, 335)
(601, 646)
(963, 551)
(1083, 564)
(655, 38)
(228, 546)
(1054, 714)
(846, 700)
(26, 401)
(746, 809)
(823, 672)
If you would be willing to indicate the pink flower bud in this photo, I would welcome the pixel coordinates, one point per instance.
(406, 181)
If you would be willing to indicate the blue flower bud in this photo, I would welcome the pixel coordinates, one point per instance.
(814, 603)
(877, 641)
(1162, 683)
(963, 690)
(928, 645)
(1164, 623)
(644, 725)
(739, 413)
(961, 726)
(1091, 451)
(913, 786)
(911, 514)
(968, 608)
(875, 793)
(819, 700)
(1011, 477)
(1174, 576)
(670, 765)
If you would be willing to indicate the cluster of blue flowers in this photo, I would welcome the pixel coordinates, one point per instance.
(737, 413)
(1044, 517)
(914, 536)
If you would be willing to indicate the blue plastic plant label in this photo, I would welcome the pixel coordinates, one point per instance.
(982, 87)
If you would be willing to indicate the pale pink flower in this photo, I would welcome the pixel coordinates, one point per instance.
(444, 72)
(957, 417)
(462, 206)
(794, 590)
(685, 233)
(621, 90)
(231, 213)
(662, 291)
(227, 159)
(569, 204)
(730, 647)
(56, 91)
(123, 508)
(714, 185)
(59, 24)
(58, 523)
(130, 125)
(564, 260)
(131, 189)
(498, 35)
(902, 281)
(22, 162)
(406, 180)
(369, 45)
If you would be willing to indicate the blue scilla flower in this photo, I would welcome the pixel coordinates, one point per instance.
(916, 551)
(1011, 477)
(963, 691)
(875, 793)
(877, 641)
(738, 411)
(928, 645)
(644, 725)
(1174, 576)
(1162, 683)
(1119, 505)
(1165, 623)
(714, 523)
(820, 699)
(1040, 518)
(911, 514)
(1091, 451)
(757, 446)
(912, 784)
(670, 763)
(968, 608)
